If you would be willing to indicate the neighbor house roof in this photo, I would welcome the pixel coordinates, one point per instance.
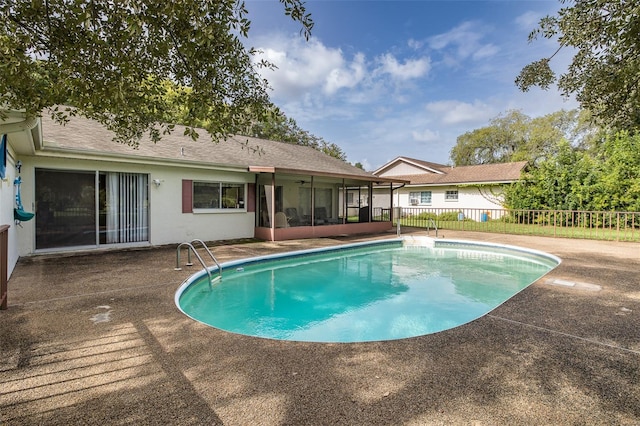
(484, 173)
(82, 137)
(425, 166)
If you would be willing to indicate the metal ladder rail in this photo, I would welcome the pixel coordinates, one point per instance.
(190, 247)
(434, 227)
(210, 254)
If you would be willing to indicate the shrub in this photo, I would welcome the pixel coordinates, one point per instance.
(448, 216)
(426, 216)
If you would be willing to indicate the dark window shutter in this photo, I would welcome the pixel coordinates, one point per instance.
(251, 197)
(187, 196)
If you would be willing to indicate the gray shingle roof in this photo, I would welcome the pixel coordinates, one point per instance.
(88, 137)
(485, 173)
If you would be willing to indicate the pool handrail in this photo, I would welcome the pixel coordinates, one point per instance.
(191, 248)
(210, 254)
(432, 222)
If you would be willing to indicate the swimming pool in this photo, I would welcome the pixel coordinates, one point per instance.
(381, 290)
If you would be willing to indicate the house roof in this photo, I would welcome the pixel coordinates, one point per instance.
(484, 173)
(84, 137)
(427, 166)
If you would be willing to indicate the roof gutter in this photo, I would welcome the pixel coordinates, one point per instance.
(27, 123)
(31, 125)
(283, 170)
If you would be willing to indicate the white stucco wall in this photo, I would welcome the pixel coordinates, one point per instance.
(6, 211)
(403, 168)
(468, 198)
(167, 223)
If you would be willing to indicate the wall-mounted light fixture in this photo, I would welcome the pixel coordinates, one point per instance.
(19, 165)
(157, 182)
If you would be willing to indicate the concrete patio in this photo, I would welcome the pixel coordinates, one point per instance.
(97, 339)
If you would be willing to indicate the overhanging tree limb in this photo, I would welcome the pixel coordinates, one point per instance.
(110, 61)
(606, 36)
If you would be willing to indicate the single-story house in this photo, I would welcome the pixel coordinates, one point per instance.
(88, 192)
(444, 188)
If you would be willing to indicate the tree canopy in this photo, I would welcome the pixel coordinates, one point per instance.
(276, 126)
(514, 136)
(115, 61)
(604, 74)
(605, 178)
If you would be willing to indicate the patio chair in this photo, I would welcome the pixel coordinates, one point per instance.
(319, 215)
(281, 220)
(294, 218)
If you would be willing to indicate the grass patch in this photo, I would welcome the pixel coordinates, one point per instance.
(502, 226)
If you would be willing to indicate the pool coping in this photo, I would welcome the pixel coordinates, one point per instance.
(422, 241)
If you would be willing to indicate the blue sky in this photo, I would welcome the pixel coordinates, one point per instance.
(383, 79)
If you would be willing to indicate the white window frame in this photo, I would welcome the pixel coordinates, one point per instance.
(418, 195)
(451, 195)
(241, 206)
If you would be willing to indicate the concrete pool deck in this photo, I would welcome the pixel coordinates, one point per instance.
(97, 339)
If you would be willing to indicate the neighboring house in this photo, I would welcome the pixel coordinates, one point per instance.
(89, 192)
(442, 187)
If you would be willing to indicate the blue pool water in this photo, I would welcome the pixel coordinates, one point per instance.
(371, 292)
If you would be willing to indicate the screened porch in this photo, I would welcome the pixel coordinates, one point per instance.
(292, 206)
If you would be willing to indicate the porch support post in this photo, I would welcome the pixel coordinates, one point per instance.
(370, 208)
(272, 213)
(391, 209)
(344, 202)
(4, 267)
(313, 205)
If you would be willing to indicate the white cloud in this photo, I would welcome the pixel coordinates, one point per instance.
(463, 42)
(463, 34)
(411, 68)
(486, 51)
(346, 76)
(415, 44)
(304, 66)
(425, 135)
(528, 20)
(311, 74)
(455, 112)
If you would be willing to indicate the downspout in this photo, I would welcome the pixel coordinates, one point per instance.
(393, 189)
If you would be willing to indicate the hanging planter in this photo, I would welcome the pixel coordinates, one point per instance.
(18, 212)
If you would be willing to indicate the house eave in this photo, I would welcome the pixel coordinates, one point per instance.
(90, 155)
(25, 131)
(291, 171)
(494, 182)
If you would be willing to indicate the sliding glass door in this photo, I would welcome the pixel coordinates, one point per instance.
(65, 209)
(78, 208)
(126, 216)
